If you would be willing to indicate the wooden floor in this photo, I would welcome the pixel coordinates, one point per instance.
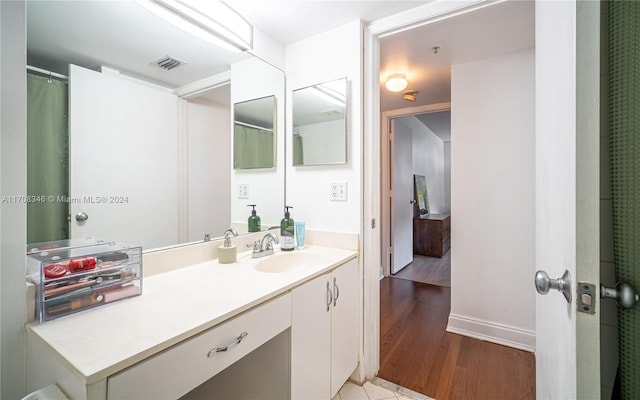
(431, 270)
(417, 353)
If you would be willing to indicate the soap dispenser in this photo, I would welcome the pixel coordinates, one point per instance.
(254, 220)
(287, 231)
(227, 253)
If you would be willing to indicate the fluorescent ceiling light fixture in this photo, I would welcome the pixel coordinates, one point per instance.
(333, 92)
(396, 82)
(210, 20)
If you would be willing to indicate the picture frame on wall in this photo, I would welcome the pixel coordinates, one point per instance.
(422, 196)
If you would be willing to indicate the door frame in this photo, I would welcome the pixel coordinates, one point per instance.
(386, 223)
(581, 381)
(371, 207)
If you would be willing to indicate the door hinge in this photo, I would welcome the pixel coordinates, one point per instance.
(586, 297)
(373, 223)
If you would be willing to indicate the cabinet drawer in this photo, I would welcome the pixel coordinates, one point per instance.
(174, 372)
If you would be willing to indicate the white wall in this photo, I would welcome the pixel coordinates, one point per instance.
(267, 49)
(321, 58)
(253, 79)
(322, 142)
(447, 174)
(492, 199)
(209, 168)
(13, 182)
(429, 160)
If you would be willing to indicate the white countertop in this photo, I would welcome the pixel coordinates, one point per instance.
(174, 306)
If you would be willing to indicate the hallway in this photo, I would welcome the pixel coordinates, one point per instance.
(417, 353)
(430, 270)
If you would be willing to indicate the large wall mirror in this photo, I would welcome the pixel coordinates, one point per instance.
(254, 139)
(320, 124)
(130, 127)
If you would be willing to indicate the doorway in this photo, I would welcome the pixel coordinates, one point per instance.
(487, 117)
(420, 196)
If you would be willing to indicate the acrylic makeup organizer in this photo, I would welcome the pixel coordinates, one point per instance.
(80, 274)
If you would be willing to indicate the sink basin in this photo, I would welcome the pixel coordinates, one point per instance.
(286, 262)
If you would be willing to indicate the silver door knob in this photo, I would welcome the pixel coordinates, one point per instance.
(81, 217)
(562, 284)
(624, 294)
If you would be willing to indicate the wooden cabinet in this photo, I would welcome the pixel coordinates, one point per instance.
(432, 234)
(324, 333)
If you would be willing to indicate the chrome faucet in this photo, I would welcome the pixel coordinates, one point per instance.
(269, 238)
(263, 247)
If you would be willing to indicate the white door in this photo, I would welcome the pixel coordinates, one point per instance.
(567, 179)
(401, 143)
(122, 160)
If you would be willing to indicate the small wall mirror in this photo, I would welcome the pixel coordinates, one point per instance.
(320, 124)
(254, 136)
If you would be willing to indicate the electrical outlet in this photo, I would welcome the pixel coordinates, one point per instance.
(243, 191)
(338, 191)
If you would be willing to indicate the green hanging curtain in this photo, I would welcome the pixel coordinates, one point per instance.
(298, 154)
(47, 159)
(252, 147)
(624, 125)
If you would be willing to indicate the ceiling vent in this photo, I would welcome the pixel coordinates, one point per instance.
(169, 63)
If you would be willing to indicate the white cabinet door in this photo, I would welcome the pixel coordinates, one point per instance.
(311, 339)
(344, 324)
(324, 333)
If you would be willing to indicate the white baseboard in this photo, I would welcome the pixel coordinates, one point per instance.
(492, 332)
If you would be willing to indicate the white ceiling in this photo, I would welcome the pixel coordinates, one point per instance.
(288, 21)
(490, 32)
(438, 122)
(118, 34)
(125, 36)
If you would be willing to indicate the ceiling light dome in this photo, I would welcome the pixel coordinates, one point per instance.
(396, 82)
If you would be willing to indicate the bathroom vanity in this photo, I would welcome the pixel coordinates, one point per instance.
(193, 323)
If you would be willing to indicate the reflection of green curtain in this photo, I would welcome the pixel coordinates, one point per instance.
(47, 159)
(298, 155)
(252, 148)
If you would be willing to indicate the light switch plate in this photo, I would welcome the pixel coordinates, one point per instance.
(338, 191)
(243, 191)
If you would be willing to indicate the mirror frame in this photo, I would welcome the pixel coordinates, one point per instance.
(346, 123)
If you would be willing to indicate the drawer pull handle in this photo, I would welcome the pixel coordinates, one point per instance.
(336, 292)
(228, 347)
(329, 296)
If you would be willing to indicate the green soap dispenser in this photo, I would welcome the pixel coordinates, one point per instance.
(254, 220)
(287, 231)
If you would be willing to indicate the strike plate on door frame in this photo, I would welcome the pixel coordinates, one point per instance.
(586, 298)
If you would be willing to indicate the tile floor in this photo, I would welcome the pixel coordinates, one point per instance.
(368, 391)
